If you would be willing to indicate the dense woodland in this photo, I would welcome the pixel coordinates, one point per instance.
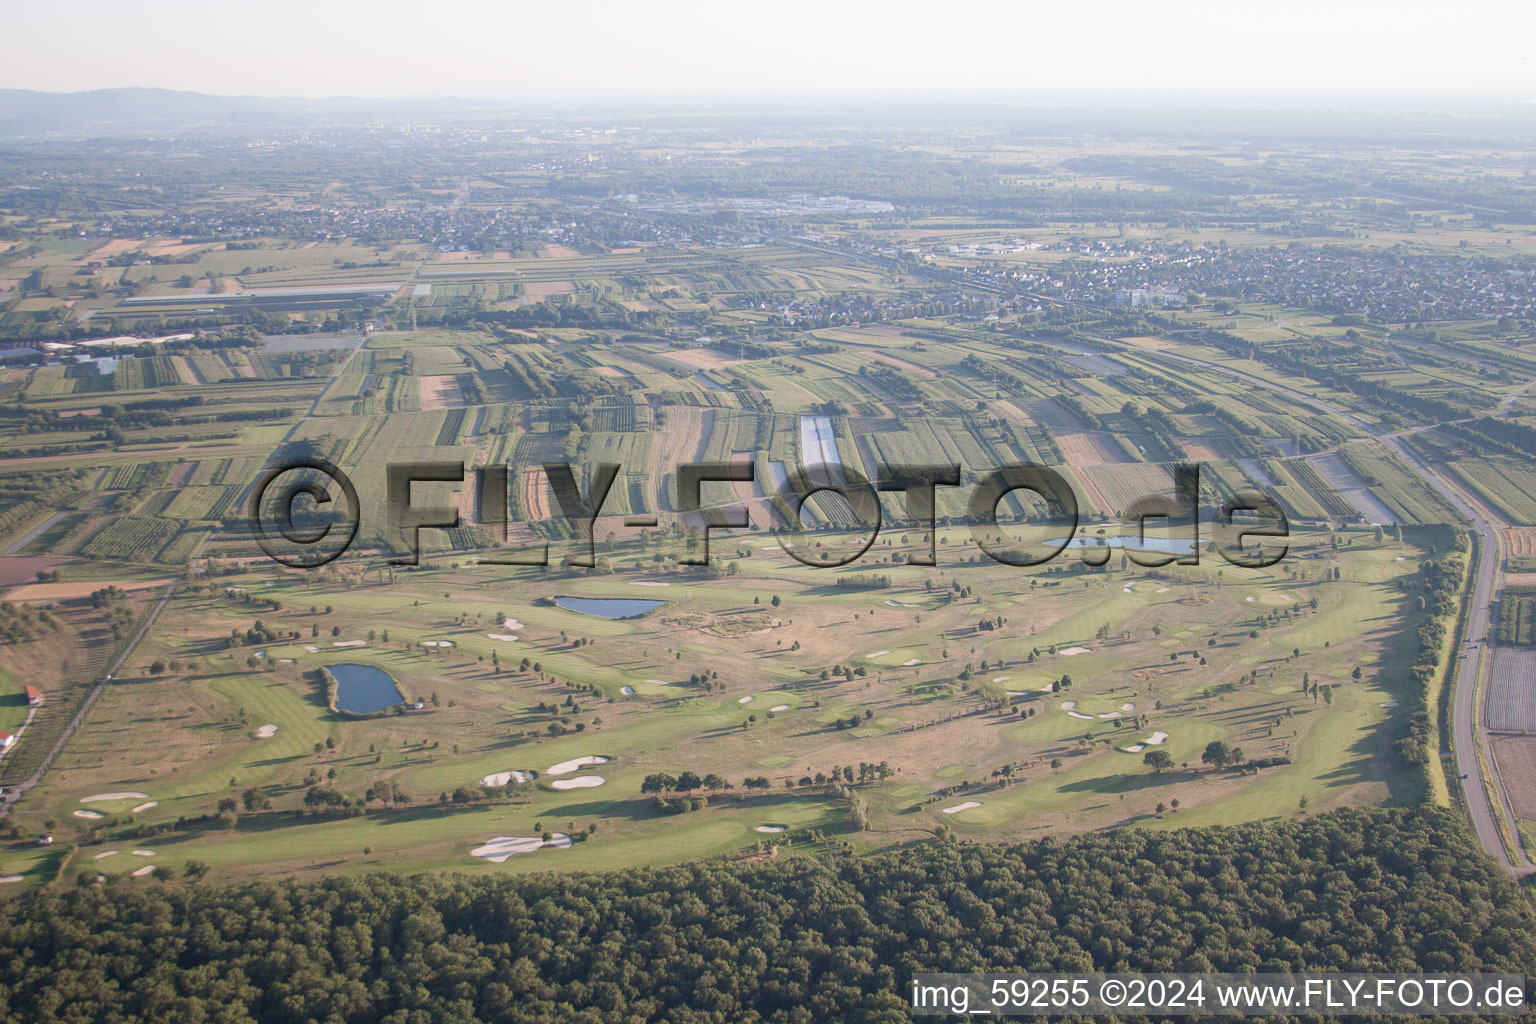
(797, 938)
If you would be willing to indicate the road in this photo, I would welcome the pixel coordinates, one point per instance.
(1466, 723)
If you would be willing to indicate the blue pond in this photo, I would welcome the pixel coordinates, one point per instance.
(363, 689)
(608, 607)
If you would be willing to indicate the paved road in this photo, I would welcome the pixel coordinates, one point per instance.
(1465, 721)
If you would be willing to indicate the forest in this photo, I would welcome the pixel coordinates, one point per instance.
(789, 938)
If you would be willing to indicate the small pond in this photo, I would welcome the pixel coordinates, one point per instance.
(608, 607)
(363, 689)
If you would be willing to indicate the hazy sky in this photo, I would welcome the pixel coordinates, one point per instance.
(506, 49)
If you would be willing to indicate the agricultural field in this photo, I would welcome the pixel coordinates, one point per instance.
(508, 326)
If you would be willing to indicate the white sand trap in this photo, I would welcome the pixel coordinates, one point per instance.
(1127, 706)
(1068, 705)
(499, 849)
(648, 583)
(512, 624)
(779, 707)
(261, 654)
(92, 815)
(437, 643)
(1079, 714)
(1250, 598)
(104, 797)
(627, 690)
(773, 828)
(1389, 703)
(1162, 590)
(1112, 714)
(901, 604)
(962, 807)
(312, 649)
(146, 806)
(744, 700)
(911, 661)
(1400, 558)
(147, 869)
(105, 854)
(502, 778)
(6, 879)
(1047, 688)
(266, 732)
(285, 661)
(143, 853)
(579, 782)
(1001, 679)
(508, 637)
(349, 643)
(1157, 739)
(659, 682)
(1286, 597)
(1020, 693)
(1070, 651)
(566, 767)
(877, 654)
(1135, 748)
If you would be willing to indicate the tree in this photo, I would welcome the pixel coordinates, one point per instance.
(1158, 760)
(687, 782)
(1217, 754)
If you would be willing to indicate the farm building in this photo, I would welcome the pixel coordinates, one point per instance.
(6, 739)
(34, 696)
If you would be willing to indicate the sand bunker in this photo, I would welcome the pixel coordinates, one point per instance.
(648, 583)
(1250, 598)
(566, 767)
(147, 869)
(1079, 714)
(1162, 590)
(143, 853)
(104, 797)
(911, 661)
(9, 878)
(1389, 703)
(1135, 748)
(901, 604)
(1001, 679)
(312, 649)
(779, 707)
(105, 854)
(437, 643)
(626, 690)
(502, 778)
(1157, 739)
(773, 828)
(579, 782)
(1127, 706)
(512, 624)
(1112, 714)
(146, 806)
(266, 732)
(877, 654)
(744, 700)
(1068, 705)
(349, 643)
(1070, 651)
(499, 849)
(508, 637)
(962, 807)
(659, 682)
(92, 815)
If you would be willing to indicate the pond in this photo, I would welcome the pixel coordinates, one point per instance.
(608, 607)
(364, 690)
